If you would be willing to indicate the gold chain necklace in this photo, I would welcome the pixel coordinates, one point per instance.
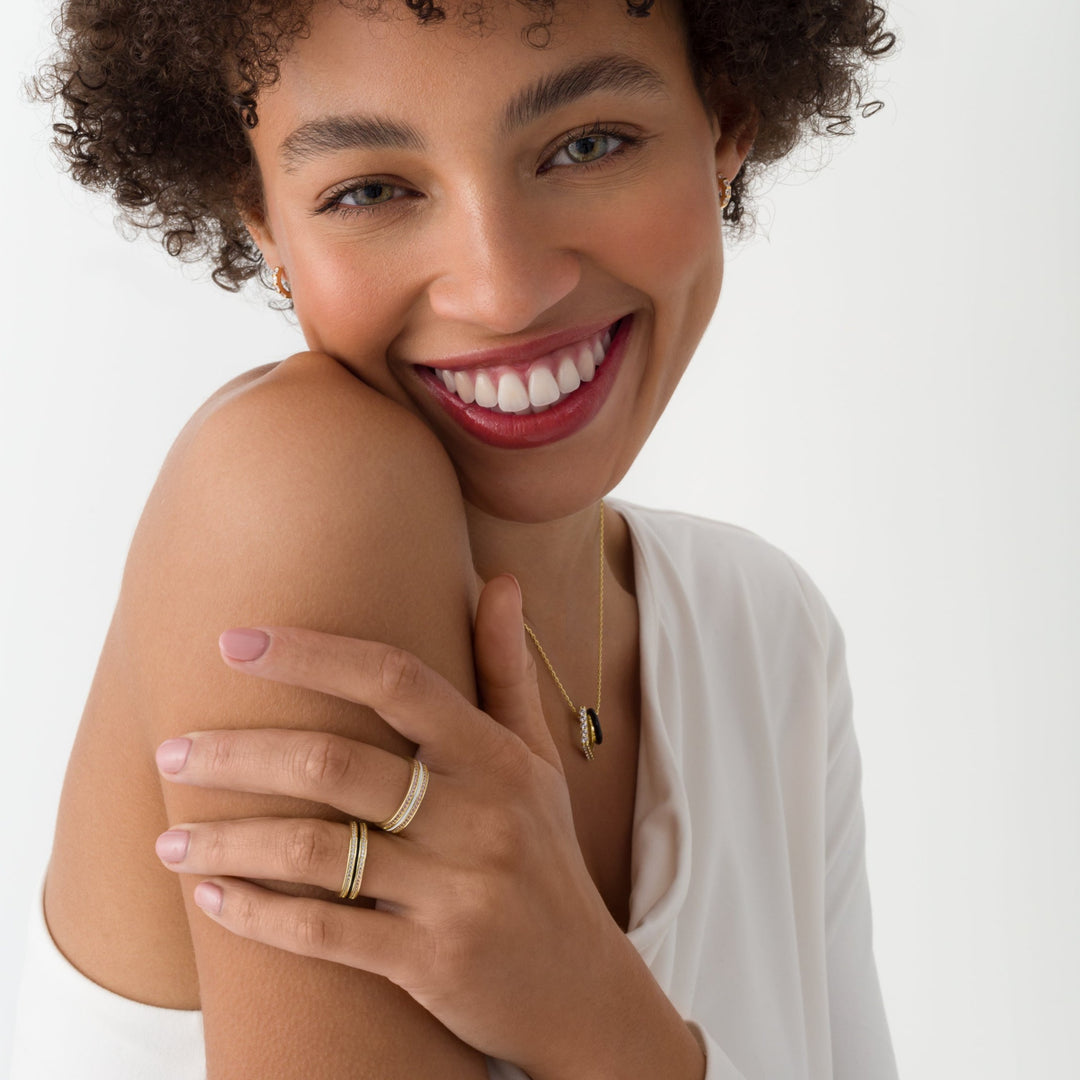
(588, 719)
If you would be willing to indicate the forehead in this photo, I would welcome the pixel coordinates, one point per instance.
(435, 73)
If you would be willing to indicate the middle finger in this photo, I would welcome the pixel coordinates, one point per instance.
(361, 780)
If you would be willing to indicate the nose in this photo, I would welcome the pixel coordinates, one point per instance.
(501, 266)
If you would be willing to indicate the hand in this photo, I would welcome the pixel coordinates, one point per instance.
(485, 911)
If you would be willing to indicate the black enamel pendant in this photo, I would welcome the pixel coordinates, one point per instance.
(594, 720)
(591, 735)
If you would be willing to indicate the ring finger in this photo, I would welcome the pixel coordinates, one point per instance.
(307, 851)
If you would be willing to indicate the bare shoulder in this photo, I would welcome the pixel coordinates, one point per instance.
(311, 405)
(301, 459)
(296, 495)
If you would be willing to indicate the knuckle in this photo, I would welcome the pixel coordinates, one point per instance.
(422, 960)
(514, 765)
(454, 951)
(304, 851)
(398, 673)
(213, 846)
(508, 766)
(472, 894)
(315, 932)
(502, 835)
(322, 761)
(245, 911)
(221, 753)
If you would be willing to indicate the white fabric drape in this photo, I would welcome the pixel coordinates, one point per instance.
(750, 901)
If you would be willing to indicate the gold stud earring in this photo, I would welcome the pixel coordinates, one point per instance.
(280, 283)
(725, 191)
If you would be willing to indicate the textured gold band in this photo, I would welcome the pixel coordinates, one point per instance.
(361, 858)
(350, 865)
(411, 803)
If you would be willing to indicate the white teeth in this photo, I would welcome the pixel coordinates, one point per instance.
(586, 366)
(549, 380)
(486, 394)
(567, 377)
(463, 386)
(513, 397)
(543, 389)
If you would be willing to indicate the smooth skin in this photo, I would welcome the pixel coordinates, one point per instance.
(329, 492)
(479, 888)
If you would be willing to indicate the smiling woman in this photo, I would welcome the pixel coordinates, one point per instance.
(499, 228)
(482, 247)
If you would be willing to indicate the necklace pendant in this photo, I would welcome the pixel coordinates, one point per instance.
(591, 735)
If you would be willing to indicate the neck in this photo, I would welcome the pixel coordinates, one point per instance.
(556, 562)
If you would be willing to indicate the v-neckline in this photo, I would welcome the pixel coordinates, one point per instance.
(660, 846)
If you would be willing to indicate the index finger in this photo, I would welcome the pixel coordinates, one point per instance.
(415, 700)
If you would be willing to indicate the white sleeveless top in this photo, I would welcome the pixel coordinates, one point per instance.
(749, 897)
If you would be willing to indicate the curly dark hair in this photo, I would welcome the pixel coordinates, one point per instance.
(149, 114)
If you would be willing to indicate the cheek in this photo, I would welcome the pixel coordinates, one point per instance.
(351, 306)
(666, 236)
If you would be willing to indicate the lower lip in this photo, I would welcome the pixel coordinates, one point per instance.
(517, 431)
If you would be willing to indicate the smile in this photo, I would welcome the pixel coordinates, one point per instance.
(544, 382)
(522, 402)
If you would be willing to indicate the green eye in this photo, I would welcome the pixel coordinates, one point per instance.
(588, 148)
(367, 194)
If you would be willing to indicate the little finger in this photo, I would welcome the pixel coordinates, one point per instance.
(364, 938)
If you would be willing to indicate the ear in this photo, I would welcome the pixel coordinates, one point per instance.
(259, 230)
(735, 126)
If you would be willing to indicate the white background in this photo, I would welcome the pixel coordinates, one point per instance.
(889, 392)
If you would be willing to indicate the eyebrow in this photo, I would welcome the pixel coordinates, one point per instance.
(616, 72)
(333, 133)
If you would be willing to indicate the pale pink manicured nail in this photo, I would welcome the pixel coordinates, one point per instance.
(172, 755)
(172, 845)
(208, 897)
(243, 643)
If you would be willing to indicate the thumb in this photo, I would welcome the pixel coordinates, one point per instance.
(505, 669)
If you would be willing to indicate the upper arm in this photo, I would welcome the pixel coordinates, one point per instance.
(303, 499)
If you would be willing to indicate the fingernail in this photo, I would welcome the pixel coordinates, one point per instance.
(209, 897)
(172, 755)
(172, 845)
(243, 643)
(517, 585)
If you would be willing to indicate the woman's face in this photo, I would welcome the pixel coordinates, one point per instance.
(451, 200)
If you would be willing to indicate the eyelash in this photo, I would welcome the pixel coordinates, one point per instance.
(332, 204)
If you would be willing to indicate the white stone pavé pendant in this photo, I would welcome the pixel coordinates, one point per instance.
(591, 735)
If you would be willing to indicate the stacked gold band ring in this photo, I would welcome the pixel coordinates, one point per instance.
(354, 868)
(411, 803)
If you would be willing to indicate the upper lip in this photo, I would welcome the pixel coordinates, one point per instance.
(523, 352)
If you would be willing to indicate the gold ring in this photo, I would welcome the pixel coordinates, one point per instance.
(350, 865)
(411, 803)
(361, 858)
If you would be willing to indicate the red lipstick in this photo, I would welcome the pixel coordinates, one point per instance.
(521, 431)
